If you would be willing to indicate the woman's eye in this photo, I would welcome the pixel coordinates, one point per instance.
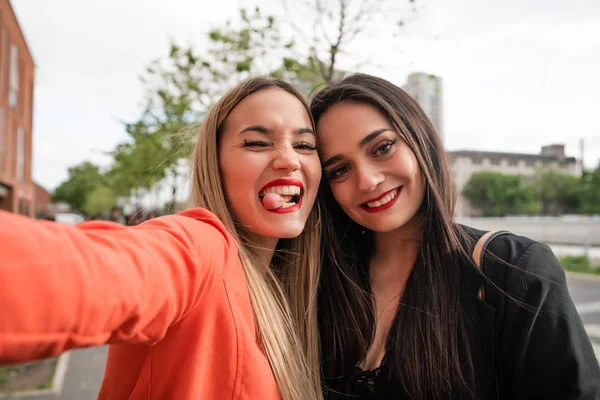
(305, 146)
(255, 143)
(338, 172)
(384, 148)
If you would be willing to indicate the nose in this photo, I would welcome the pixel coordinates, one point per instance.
(369, 178)
(286, 159)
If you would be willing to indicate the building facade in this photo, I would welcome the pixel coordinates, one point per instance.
(17, 190)
(467, 162)
(426, 89)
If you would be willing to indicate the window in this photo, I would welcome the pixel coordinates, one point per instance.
(513, 162)
(23, 207)
(14, 75)
(2, 137)
(4, 59)
(477, 160)
(1, 56)
(30, 103)
(20, 154)
(495, 161)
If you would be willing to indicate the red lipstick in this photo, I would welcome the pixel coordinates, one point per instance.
(384, 206)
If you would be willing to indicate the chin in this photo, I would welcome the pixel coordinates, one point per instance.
(287, 231)
(384, 226)
(385, 229)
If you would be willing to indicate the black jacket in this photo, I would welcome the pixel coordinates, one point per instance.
(534, 350)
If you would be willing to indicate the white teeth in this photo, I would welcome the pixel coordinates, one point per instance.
(282, 190)
(383, 201)
(286, 205)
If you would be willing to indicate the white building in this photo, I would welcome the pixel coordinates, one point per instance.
(426, 89)
(467, 162)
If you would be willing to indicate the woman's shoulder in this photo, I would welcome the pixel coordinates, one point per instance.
(194, 219)
(197, 227)
(518, 262)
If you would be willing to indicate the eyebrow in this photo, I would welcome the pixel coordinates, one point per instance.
(267, 131)
(365, 141)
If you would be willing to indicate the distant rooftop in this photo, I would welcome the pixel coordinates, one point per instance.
(551, 153)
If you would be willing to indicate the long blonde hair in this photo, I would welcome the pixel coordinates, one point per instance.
(283, 297)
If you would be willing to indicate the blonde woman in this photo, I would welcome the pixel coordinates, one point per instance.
(217, 302)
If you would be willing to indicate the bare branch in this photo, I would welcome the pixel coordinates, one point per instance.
(334, 49)
(321, 12)
(288, 11)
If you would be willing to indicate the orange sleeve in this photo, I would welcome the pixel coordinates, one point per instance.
(67, 286)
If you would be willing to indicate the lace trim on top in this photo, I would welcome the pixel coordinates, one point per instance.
(364, 383)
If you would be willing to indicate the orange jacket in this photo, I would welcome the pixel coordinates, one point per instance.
(170, 296)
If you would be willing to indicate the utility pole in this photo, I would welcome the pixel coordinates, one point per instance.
(581, 151)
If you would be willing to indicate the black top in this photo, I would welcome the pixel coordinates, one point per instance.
(368, 384)
(518, 352)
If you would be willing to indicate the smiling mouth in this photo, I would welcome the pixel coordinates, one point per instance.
(387, 199)
(290, 194)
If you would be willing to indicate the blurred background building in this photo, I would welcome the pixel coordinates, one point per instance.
(467, 162)
(17, 189)
(426, 89)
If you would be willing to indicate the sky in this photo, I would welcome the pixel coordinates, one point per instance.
(517, 74)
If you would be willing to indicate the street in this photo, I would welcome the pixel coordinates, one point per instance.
(84, 374)
(86, 367)
(585, 291)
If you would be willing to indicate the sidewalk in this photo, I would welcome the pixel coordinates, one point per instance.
(84, 374)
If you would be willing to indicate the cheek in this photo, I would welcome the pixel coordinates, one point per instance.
(313, 169)
(341, 194)
(235, 180)
(408, 163)
(235, 168)
(224, 164)
(418, 182)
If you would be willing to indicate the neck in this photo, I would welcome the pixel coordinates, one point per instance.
(393, 258)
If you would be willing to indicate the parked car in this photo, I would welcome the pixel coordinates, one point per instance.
(68, 218)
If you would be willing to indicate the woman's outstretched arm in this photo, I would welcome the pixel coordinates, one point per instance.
(67, 286)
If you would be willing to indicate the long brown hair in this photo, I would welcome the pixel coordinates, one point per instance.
(422, 349)
(283, 296)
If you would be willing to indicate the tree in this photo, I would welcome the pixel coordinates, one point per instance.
(255, 48)
(180, 88)
(138, 164)
(558, 193)
(590, 192)
(179, 91)
(99, 200)
(333, 27)
(83, 179)
(497, 194)
(160, 138)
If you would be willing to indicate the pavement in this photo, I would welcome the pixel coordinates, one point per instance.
(84, 373)
(585, 291)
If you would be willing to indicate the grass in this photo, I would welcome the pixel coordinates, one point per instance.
(580, 264)
(36, 375)
(45, 385)
(7, 372)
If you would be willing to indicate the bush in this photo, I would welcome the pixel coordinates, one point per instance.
(578, 264)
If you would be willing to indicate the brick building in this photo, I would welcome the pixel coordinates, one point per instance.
(43, 199)
(17, 190)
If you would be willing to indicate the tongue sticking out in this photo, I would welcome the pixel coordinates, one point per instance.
(272, 201)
